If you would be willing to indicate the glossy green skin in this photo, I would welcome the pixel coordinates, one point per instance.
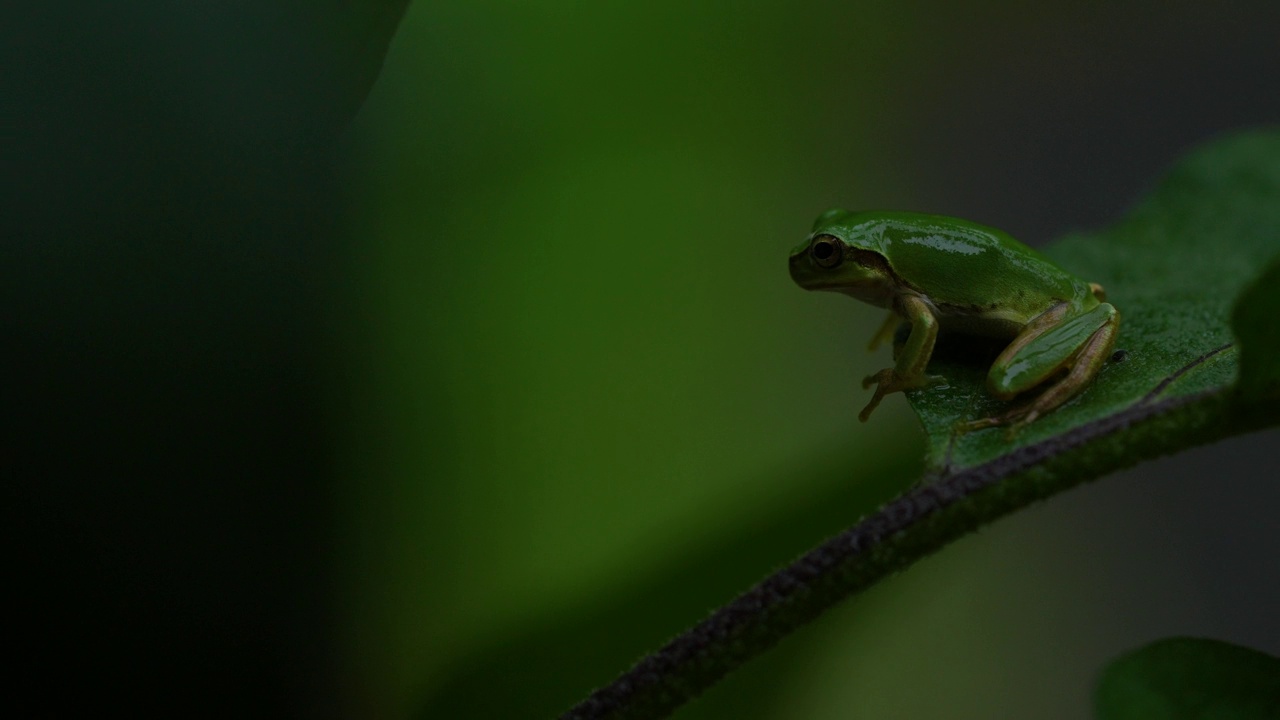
(978, 277)
(939, 272)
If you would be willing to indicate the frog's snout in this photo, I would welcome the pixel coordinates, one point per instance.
(798, 265)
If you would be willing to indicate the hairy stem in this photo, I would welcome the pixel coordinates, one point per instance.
(905, 530)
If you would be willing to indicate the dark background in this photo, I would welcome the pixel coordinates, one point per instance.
(452, 402)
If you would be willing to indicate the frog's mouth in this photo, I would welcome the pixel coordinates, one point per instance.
(806, 275)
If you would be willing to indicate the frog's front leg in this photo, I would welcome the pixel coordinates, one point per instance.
(908, 372)
(886, 331)
(1079, 345)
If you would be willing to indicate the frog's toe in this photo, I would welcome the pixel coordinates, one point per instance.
(882, 378)
(872, 405)
(866, 411)
(1015, 420)
(1018, 423)
(918, 382)
(962, 427)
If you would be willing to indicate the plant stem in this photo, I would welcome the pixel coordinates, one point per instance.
(905, 530)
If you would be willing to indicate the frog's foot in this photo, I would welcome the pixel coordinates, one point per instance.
(889, 381)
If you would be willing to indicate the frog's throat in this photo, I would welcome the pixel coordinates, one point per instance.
(878, 294)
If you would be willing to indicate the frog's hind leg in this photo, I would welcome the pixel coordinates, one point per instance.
(1038, 326)
(1085, 368)
(1080, 346)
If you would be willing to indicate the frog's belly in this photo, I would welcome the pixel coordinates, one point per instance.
(993, 325)
(1002, 323)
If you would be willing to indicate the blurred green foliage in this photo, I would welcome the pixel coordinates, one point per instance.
(588, 383)
(1259, 334)
(577, 219)
(1190, 678)
(574, 401)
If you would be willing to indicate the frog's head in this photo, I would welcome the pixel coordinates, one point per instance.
(841, 255)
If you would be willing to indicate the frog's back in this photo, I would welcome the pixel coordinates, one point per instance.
(965, 268)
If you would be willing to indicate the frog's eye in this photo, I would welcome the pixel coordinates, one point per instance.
(827, 250)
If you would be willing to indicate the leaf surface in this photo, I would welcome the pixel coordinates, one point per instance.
(1173, 269)
(1190, 678)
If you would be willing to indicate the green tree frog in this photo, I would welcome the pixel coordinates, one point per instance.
(937, 272)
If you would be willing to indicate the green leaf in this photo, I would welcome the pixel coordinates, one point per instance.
(1190, 678)
(1173, 268)
(1259, 334)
